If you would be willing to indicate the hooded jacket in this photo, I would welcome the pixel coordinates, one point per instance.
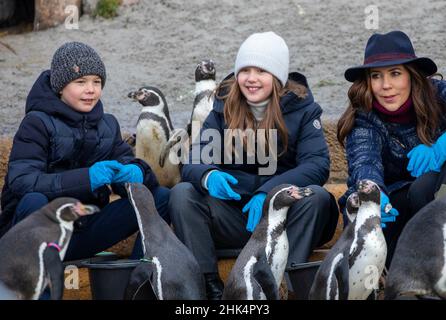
(54, 147)
(305, 162)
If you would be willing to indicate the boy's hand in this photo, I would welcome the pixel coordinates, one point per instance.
(103, 172)
(128, 173)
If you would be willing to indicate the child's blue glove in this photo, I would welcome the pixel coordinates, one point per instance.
(389, 216)
(254, 206)
(129, 173)
(422, 159)
(102, 173)
(440, 151)
(218, 187)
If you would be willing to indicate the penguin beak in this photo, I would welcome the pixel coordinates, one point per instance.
(132, 95)
(299, 193)
(85, 210)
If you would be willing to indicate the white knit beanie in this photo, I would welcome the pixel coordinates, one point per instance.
(267, 51)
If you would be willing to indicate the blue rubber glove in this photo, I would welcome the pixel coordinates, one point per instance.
(422, 159)
(389, 216)
(255, 206)
(103, 172)
(129, 173)
(440, 151)
(218, 187)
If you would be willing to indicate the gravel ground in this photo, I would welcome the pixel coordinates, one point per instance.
(160, 42)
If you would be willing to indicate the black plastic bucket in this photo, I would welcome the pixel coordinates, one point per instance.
(301, 277)
(109, 279)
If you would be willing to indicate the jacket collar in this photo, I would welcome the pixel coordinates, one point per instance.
(43, 98)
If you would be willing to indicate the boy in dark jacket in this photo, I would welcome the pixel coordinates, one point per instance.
(67, 146)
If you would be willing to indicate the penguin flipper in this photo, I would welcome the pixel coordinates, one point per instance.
(174, 139)
(265, 279)
(55, 270)
(141, 277)
(341, 272)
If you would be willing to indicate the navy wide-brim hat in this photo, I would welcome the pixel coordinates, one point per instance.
(390, 49)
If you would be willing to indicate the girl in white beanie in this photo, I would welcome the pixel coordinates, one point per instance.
(219, 205)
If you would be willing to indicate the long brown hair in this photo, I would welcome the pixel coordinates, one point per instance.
(428, 108)
(238, 115)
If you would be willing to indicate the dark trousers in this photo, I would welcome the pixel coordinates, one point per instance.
(408, 201)
(204, 224)
(98, 232)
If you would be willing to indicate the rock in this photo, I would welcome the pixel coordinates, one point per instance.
(5, 149)
(50, 13)
(338, 167)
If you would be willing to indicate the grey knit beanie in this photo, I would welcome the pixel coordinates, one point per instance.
(267, 51)
(72, 61)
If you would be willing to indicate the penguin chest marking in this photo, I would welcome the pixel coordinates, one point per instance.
(150, 141)
(159, 270)
(202, 109)
(65, 236)
(248, 278)
(368, 265)
(41, 280)
(331, 277)
(440, 286)
(276, 249)
(279, 257)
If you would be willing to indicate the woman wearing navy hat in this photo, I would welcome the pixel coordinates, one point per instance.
(393, 129)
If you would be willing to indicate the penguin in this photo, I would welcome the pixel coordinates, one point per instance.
(32, 251)
(259, 268)
(205, 86)
(153, 130)
(359, 255)
(418, 266)
(168, 265)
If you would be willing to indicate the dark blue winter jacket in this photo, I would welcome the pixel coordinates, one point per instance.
(54, 147)
(377, 150)
(305, 162)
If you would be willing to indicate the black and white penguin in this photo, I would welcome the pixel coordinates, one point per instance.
(205, 86)
(170, 267)
(32, 251)
(352, 268)
(259, 268)
(418, 266)
(153, 130)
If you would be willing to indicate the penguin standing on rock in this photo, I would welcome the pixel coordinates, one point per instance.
(418, 267)
(170, 267)
(32, 251)
(358, 255)
(153, 130)
(259, 268)
(205, 86)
